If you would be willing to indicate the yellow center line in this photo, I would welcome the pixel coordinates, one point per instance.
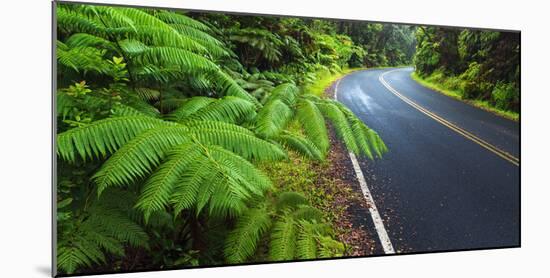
(506, 156)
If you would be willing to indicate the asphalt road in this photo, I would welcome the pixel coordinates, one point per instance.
(436, 189)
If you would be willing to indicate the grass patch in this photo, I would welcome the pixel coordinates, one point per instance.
(449, 88)
(324, 79)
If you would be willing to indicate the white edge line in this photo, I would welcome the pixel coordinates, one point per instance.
(376, 219)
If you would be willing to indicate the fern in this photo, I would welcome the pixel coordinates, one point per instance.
(272, 118)
(89, 40)
(283, 240)
(194, 164)
(313, 123)
(301, 145)
(158, 189)
(101, 137)
(245, 144)
(341, 124)
(104, 228)
(228, 109)
(286, 92)
(190, 106)
(241, 243)
(306, 242)
(178, 180)
(139, 156)
(297, 231)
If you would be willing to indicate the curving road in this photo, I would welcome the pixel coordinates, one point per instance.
(451, 179)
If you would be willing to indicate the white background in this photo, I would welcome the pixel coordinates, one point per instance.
(25, 136)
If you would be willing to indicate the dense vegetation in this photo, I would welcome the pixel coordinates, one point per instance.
(170, 123)
(478, 65)
(164, 117)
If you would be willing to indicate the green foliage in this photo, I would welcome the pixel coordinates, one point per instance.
(243, 241)
(479, 65)
(296, 231)
(102, 227)
(504, 95)
(163, 119)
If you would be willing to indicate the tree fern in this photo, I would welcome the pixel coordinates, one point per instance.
(190, 106)
(301, 145)
(313, 124)
(166, 56)
(272, 118)
(103, 228)
(158, 189)
(283, 240)
(341, 124)
(174, 18)
(306, 242)
(180, 177)
(228, 109)
(139, 156)
(241, 243)
(89, 40)
(244, 144)
(72, 21)
(82, 58)
(286, 92)
(103, 136)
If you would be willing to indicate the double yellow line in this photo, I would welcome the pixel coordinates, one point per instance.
(506, 156)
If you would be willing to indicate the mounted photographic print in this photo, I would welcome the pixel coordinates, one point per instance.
(188, 139)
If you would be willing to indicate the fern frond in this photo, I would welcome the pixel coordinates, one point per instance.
(103, 136)
(330, 248)
(227, 109)
(272, 118)
(186, 191)
(366, 138)
(77, 252)
(313, 124)
(175, 18)
(139, 155)
(158, 189)
(82, 58)
(306, 243)
(242, 241)
(147, 93)
(165, 56)
(110, 17)
(165, 36)
(214, 46)
(218, 179)
(309, 213)
(88, 40)
(286, 92)
(71, 21)
(362, 137)
(241, 143)
(190, 106)
(301, 145)
(230, 87)
(241, 180)
(283, 240)
(115, 224)
(341, 124)
(103, 228)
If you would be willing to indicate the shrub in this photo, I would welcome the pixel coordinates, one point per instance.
(504, 94)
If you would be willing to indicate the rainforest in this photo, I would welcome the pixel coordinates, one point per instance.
(189, 139)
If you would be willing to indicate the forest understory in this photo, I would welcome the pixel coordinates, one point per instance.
(189, 139)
